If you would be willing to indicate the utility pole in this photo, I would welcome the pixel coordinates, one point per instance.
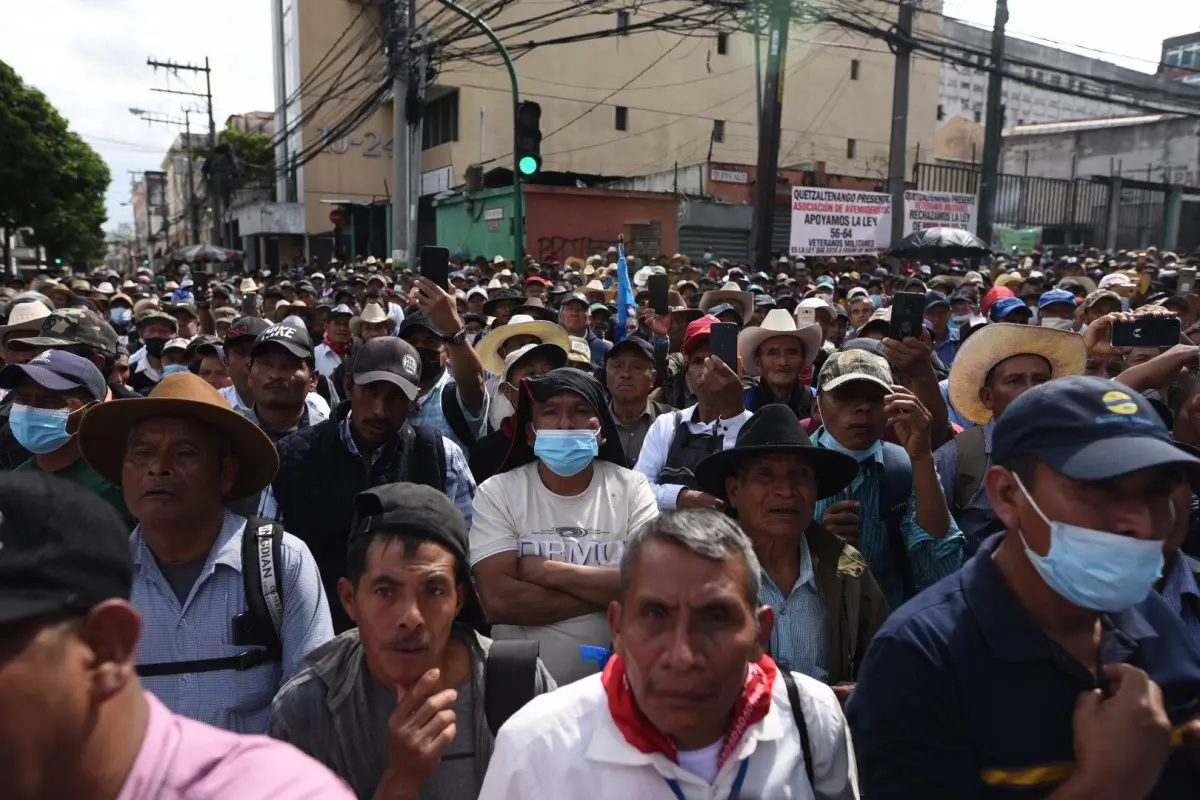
(214, 187)
(901, 42)
(146, 195)
(989, 177)
(402, 144)
(768, 133)
(193, 219)
(417, 133)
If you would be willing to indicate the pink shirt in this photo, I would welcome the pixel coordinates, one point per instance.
(182, 759)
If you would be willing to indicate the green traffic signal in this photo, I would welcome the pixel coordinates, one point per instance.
(58, 261)
(528, 165)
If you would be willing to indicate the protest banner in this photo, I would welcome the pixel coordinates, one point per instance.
(1022, 239)
(839, 222)
(940, 210)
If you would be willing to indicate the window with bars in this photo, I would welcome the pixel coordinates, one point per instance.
(440, 121)
(622, 118)
(722, 44)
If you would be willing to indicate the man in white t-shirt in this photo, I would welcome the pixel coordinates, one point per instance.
(550, 527)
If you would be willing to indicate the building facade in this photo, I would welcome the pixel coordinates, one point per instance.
(1181, 59)
(625, 105)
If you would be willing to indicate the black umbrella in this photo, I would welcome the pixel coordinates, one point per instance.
(941, 244)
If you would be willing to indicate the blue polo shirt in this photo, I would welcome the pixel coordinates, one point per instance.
(962, 696)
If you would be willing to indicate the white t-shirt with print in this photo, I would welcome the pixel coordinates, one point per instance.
(514, 511)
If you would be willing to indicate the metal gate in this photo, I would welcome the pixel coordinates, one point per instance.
(781, 234)
(728, 243)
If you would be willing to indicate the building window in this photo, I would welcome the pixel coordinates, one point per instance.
(854, 69)
(851, 147)
(941, 112)
(622, 121)
(718, 134)
(441, 121)
(978, 115)
(722, 44)
(623, 23)
(966, 85)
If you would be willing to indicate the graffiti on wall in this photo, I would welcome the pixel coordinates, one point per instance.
(560, 248)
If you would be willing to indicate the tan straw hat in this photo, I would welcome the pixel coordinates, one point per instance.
(24, 317)
(998, 341)
(105, 429)
(488, 348)
(778, 322)
(373, 314)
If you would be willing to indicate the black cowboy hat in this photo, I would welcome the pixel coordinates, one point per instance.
(537, 309)
(772, 430)
(503, 296)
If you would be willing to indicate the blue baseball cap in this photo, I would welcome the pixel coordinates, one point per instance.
(826, 280)
(1087, 429)
(58, 371)
(1056, 296)
(934, 299)
(1005, 306)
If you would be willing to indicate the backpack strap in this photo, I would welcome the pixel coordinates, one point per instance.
(969, 466)
(510, 679)
(262, 582)
(455, 418)
(793, 693)
(897, 486)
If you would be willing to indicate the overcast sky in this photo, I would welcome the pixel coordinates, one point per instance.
(89, 57)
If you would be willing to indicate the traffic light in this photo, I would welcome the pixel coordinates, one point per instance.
(529, 138)
(58, 262)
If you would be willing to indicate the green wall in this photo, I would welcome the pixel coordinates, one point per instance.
(462, 228)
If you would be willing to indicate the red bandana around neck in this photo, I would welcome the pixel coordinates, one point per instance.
(341, 350)
(752, 706)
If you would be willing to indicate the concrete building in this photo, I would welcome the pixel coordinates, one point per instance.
(963, 90)
(1181, 59)
(633, 104)
(148, 198)
(180, 195)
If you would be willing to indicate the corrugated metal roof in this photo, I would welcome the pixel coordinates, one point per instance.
(1041, 128)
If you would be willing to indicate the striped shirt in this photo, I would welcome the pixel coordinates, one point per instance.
(202, 628)
(1181, 590)
(800, 638)
(929, 559)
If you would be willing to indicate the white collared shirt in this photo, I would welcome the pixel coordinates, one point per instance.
(657, 447)
(588, 757)
(326, 360)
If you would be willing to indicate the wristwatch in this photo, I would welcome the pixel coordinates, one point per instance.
(457, 338)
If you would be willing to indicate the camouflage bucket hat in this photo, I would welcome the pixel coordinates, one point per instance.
(70, 326)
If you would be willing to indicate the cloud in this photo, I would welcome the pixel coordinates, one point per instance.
(89, 58)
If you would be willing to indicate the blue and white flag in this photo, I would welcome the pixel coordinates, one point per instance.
(626, 307)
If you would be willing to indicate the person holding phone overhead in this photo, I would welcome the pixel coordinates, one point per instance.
(678, 442)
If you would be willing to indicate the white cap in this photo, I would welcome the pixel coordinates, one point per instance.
(176, 344)
(498, 260)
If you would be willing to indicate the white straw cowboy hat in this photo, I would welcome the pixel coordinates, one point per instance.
(777, 322)
(729, 293)
(488, 348)
(998, 341)
(105, 429)
(24, 317)
(372, 314)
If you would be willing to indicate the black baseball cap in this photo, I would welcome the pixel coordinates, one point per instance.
(1087, 429)
(58, 371)
(934, 299)
(391, 359)
(62, 548)
(245, 328)
(636, 343)
(291, 338)
(575, 297)
(419, 319)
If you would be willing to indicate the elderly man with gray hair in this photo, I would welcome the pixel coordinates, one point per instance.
(689, 698)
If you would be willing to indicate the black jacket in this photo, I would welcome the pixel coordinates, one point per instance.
(319, 477)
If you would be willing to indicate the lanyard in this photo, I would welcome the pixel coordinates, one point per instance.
(734, 792)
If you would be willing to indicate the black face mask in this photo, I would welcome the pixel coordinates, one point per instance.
(155, 345)
(431, 364)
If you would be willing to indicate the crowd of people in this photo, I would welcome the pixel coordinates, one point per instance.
(345, 531)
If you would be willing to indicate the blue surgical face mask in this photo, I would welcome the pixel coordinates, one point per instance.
(173, 368)
(120, 315)
(566, 453)
(826, 440)
(39, 430)
(1096, 569)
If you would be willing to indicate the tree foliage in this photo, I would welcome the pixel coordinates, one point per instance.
(50, 179)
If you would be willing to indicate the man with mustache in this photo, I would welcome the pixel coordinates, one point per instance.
(180, 456)
(368, 442)
(689, 705)
(282, 374)
(777, 353)
(629, 375)
(405, 703)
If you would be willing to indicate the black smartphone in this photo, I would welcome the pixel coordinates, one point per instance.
(1187, 281)
(1146, 332)
(723, 342)
(435, 265)
(908, 315)
(658, 294)
(200, 284)
(250, 304)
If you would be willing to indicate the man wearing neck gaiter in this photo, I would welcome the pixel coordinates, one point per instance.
(894, 511)
(689, 705)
